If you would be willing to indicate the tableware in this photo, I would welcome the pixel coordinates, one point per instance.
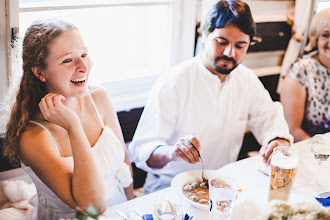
(223, 192)
(320, 148)
(324, 199)
(321, 151)
(121, 213)
(263, 172)
(205, 180)
(139, 212)
(183, 178)
(283, 167)
(167, 206)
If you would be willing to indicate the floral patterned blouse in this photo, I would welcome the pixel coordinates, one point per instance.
(316, 80)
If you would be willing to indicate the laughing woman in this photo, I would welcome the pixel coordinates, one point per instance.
(63, 132)
(305, 92)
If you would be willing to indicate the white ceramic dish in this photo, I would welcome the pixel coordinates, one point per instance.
(196, 175)
(189, 176)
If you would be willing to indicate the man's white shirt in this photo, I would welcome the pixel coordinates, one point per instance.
(189, 99)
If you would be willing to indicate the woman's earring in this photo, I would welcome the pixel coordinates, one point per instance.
(43, 79)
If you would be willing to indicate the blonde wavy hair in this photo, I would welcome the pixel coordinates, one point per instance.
(319, 22)
(36, 44)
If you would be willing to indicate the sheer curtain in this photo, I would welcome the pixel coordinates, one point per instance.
(303, 12)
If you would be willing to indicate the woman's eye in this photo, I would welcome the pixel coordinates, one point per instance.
(325, 35)
(67, 60)
(84, 55)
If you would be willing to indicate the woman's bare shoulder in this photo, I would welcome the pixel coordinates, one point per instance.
(100, 97)
(95, 90)
(34, 139)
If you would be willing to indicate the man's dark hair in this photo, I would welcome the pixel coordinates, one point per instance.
(233, 12)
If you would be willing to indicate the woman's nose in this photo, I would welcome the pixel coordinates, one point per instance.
(82, 65)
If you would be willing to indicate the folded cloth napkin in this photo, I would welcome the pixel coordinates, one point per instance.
(324, 201)
(149, 217)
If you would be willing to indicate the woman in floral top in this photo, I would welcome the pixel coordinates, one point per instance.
(305, 93)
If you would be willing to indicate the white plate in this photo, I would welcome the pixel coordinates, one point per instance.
(196, 175)
(189, 176)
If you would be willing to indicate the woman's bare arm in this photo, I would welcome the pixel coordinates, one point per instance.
(293, 98)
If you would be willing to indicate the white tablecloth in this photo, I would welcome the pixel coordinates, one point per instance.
(254, 184)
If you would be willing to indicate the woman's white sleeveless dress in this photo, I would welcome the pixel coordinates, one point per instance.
(109, 155)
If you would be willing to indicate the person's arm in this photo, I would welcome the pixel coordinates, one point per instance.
(109, 115)
(266, 119)
(78, 186)
(267, 150)
(150, 148)
(186, 148)
(293, 98)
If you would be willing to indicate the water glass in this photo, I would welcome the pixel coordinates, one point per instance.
(167, 206)
(222, 194)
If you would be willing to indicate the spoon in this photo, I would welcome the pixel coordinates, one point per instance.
(205, 180)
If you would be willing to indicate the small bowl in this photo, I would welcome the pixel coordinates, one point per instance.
(189, 176)
(324, 199)
(196, 175)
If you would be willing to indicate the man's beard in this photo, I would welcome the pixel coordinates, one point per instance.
(222, 70)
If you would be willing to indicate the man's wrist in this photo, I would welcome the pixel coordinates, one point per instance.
(279, 138)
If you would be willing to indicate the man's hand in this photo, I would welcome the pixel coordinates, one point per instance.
(267, 150)
(187, 148)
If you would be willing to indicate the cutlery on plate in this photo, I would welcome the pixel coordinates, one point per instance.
(121, 214)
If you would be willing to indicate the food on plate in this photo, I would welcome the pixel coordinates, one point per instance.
(196, 191)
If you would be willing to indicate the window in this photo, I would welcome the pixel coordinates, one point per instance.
(322, 4)
(130, 42)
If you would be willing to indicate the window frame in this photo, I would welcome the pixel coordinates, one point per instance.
(183, 19)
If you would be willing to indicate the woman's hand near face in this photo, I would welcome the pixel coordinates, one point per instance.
(54, 111)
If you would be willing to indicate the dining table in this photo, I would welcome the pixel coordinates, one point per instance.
(251, 173)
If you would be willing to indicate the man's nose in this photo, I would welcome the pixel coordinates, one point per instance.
(229, 51)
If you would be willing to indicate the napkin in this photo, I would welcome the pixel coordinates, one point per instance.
(324, 201)
(149, 217)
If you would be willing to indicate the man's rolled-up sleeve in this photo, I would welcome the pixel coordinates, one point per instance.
(266, 118)
(156, 125)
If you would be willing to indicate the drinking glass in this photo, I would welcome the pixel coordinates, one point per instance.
(168, 206)
(222, 194)
(283, 168)
(321, 151)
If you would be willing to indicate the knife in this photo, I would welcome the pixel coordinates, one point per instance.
(121, 214)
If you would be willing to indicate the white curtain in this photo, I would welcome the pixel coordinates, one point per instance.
(303, 12)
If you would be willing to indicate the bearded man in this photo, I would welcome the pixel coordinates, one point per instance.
(205, 105)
